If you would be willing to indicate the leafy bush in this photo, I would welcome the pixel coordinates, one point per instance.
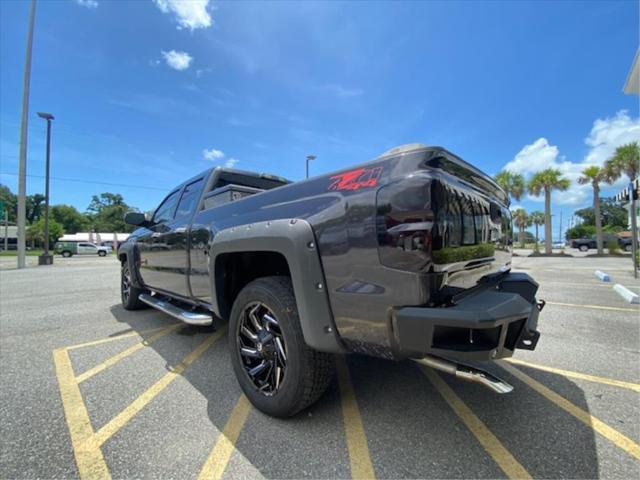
(581, 231)
(613, 246)
(461, 254)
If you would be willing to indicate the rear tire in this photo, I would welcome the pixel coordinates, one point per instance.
(102, 253)
(67, 254)
(628, 248)
(265, 331)
(583, 248)
(128, 291)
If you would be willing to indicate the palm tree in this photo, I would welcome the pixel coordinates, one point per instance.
(545, 181)
(537, 218)
(512, 183)
(522, 221)
(594, 175)
(625, 160)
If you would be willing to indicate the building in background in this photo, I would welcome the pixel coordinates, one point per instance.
(12, 237)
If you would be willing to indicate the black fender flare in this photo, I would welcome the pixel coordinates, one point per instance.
(130, 252)
(295, 241)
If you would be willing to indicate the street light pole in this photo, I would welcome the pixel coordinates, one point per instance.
(309, 158)
(45, 258)
(22, 168)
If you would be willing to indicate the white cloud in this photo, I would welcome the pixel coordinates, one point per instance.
(177, 60)
(191, 14)
(605, 136)
(217, 155)
(87, 3)
(230, 163)
(212, 154)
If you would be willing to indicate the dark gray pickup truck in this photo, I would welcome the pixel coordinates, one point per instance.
(404, 257)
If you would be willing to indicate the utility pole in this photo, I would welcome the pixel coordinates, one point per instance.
(45, 258)
(6, 229)
(560, 228)
(309, 158)
(22, 169)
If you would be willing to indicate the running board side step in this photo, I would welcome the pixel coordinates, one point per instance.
(192, 318)
(466, 372)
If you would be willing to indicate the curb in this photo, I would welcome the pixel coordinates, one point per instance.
(627, 294)
(602, 276)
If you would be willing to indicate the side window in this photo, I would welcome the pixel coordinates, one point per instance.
(189, 199)
(164, 213)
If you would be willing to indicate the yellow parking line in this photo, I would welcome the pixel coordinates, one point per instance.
(125, 353)
(139, 403)
(88, 455)
(507, 462)
(617, 438)
(359, 458)
(112, 339)
(217, 461)
(581, 376)
(595, 307)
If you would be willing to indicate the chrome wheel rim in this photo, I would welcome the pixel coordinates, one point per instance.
(126, 284)
(262, 348)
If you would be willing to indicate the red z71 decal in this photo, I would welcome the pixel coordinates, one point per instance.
(356, 179)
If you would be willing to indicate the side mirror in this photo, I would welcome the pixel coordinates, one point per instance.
(136, 218)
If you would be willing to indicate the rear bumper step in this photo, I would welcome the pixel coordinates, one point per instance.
(187, 316)
(488, 324)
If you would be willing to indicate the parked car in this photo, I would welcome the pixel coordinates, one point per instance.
(68, 249)
(585, 244)
(407, 256)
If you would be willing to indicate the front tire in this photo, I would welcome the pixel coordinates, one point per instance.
(128, 291)
(583, 248)
(66, 254)
(102, 253)
(277, 371)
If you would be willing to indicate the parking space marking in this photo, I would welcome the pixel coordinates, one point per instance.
(581, 376)
(89, 458)
(217, 461)
(112, 339)
(595, 307)
(494, 447)
(139, 403)
(617, 438)
(125, 353)
(356, 438)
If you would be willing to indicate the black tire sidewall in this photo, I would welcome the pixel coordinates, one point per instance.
(583, 248)
(284, 402)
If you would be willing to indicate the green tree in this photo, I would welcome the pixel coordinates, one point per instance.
(71, 219)
(544, 182)
(522, 221)
(594, 175)
(35, 232)
(625, 160)
(512, 183)
(10, 202)
(614, 216)
(106, 213)
(34, 206)
(537, 218)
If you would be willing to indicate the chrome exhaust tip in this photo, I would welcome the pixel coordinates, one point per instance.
(466, 372)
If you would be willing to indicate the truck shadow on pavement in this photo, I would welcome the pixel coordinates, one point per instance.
(411, 430)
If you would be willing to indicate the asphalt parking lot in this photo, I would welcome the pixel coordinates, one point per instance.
(89, 389)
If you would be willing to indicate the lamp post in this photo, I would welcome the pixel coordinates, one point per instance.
(309, 158)
(46, 258)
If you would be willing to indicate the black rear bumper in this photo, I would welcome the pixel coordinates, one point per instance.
(489, 323)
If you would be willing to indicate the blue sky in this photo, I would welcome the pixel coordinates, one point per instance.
(142, 89)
